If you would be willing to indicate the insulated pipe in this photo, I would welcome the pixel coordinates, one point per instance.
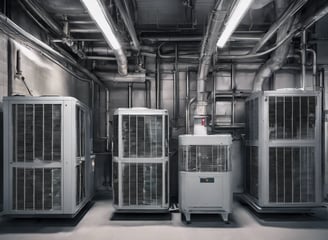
(129, 24)
(279, 56)
(214, 26)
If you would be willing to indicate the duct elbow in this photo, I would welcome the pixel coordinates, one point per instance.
(122, 63)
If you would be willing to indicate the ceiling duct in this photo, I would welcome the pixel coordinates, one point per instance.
(284, 16)
(129, 24)
(114, 77)
(279, 57)
(106, 24)
(214, 26)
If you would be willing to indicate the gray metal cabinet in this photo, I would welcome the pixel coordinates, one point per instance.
(47, 166)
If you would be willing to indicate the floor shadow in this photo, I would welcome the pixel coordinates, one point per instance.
(116, 216)
(42, 225)
(318, 219)
(210, 221)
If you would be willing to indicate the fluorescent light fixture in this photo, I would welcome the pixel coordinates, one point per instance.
(97, 12)
(236, 16)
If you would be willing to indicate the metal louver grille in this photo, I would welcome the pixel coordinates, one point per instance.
(36, 132)
(36, 189)
(204, 158)
(252, 171)
(115, 182)
(142, 136)
(80, 182)
(252, 119)
(142, 184)
(292, 174)
(292, 117)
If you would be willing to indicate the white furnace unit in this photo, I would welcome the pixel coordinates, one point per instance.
(283, 151)
(47, 167)
(140, 160)
(205, 175)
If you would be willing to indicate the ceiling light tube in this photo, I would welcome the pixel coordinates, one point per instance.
(235, 17)
(97, 12)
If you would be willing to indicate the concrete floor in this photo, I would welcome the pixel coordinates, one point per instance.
(96, 224)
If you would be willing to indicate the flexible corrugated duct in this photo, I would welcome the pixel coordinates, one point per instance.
(214, 26)
(279, 57)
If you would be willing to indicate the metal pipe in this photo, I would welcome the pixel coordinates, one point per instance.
(129, 24)
(84, 30)
(128, 11)
(176, 86)
(290, 11)
(187, 99)
(101, 58)
(129, 78)
(279, 56)
(321, 78)
(130, 95)
(67, 7)
(193, 38)
(47, 51)
(191, 101)
(316, 11)
(81, 22)
(314, 66)
(174, 56)
(148, 93)
(214, 26)
(303, 58)
(37, 21)
(46, 18)
(107, 121)
(99, 50)
(158, 87)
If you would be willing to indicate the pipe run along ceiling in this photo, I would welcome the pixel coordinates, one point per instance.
(142, 25)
